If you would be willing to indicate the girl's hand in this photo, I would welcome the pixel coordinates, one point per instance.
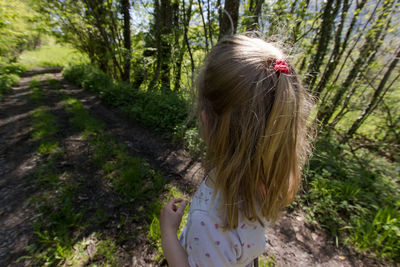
(171, 215)
(170, 219)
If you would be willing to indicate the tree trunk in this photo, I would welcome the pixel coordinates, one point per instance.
(186, 38)
(125, 6)
(370, 45)
(163, 14)
(330, 11)
(229, 21)
(204, 23)
(300, 12)
(253, 15)
(355, 44)
(187, 15)
(337, 52)
(210, 30)
(376, 97)
(100, 14)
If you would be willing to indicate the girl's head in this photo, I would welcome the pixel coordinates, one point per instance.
(254, 125)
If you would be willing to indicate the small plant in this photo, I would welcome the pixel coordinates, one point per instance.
(267, 261)
(9, 76)
(193, 142)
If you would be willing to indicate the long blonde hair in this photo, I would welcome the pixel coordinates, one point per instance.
(256, 127)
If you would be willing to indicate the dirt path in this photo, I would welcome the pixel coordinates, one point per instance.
(16, 162)
(291, 242)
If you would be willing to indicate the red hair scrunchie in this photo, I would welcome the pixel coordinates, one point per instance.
(281, 66)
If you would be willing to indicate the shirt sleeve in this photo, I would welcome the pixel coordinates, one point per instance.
(208, 244)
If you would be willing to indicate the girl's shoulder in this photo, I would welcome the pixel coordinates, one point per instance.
(203, 199)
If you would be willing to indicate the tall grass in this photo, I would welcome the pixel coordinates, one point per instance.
(52, 56)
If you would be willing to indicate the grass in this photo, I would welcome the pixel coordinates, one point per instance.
(51, 56)
(356, 197)
(36, 91)
(132, 178)
(44, 123)
(65, 227)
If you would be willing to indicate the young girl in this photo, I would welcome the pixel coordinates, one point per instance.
(253, 114)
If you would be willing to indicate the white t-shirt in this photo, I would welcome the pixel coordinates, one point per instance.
(207, 244)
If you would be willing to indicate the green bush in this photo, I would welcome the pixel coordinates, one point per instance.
(96, 81)
(160, 110)
(13, 68)
(163, 111)
(6, 83)
(354, 196)
(77, 73)
(9, 76)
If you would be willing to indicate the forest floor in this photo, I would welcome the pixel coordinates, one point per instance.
(290, 242)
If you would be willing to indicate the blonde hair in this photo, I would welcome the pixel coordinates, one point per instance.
(256, 132)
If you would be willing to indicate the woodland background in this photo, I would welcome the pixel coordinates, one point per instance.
(142, 58)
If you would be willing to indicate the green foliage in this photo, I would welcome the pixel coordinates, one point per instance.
(9, 76)
(51, 56)
(57, 220)
(94, 28)
(356, 197)
(191, 136)
(382, 233)
(6, 83)
(161, 111)
(12, 68)
(78, 73)
(61, 221)
(268, 261)
(19, 27)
